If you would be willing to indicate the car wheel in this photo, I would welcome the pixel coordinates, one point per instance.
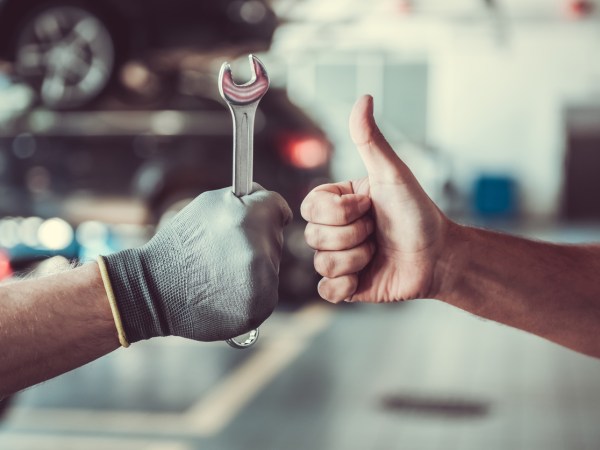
(67, 54)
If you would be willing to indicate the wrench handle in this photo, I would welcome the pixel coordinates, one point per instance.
(243, 148)
(243, 169)
(243, 102)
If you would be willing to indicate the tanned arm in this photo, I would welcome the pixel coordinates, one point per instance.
(382, 239)
(200, 277)
(51, 325)
(548, 289)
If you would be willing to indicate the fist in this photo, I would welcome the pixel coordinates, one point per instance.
(211, 273)
(379, 238)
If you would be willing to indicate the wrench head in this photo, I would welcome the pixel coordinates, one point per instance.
(247, 93)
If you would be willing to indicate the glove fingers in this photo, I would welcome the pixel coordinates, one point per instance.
(279, 205)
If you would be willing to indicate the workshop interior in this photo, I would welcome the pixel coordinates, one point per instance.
(112, 121)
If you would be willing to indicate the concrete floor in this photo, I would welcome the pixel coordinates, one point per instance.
(414, 376)
(419, 375)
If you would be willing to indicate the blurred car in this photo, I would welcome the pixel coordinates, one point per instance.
(70, 50)
(69, 164)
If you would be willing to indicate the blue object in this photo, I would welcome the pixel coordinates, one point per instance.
(495, 196)
(22, 252)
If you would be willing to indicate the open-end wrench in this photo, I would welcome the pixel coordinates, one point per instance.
(242, 101)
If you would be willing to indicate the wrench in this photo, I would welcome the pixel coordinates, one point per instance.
(242, 101)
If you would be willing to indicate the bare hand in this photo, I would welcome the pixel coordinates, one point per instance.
(377, 238)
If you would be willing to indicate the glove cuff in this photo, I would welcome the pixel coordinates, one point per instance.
(113, 302)
(131, 283)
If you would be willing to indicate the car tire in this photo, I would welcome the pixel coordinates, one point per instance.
(67, 53)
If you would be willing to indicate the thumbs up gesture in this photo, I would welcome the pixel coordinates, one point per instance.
(379, 238)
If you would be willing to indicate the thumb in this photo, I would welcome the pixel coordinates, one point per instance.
(379, 158)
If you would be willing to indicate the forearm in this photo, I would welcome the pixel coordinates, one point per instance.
(51, 325)
(547, 289)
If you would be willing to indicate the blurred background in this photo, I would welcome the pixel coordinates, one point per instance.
(111, 121)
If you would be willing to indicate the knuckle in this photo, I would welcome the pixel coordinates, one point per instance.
(308, 234)
(312, 235)
(304, 210)
(307, 208)
(341, 210)
(325, 264)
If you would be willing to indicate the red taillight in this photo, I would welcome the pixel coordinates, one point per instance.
(5, 268)
(578, 9)
(305, 152)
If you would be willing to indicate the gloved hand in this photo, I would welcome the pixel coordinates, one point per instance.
(209, 274)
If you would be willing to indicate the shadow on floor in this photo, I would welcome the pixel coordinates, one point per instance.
(459, 408)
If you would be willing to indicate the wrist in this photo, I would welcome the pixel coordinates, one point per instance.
(91, 283)
(451, 265)
(133, 293)
(111, 300)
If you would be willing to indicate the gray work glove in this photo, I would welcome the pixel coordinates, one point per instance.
(211, 273)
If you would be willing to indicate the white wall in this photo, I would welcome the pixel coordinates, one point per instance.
(496, 95)
(498, 108)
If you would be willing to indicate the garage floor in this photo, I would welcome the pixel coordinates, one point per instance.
(419, 375)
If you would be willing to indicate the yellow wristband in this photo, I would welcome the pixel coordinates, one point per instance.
(113, 302)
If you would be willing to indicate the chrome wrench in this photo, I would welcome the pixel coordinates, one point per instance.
(242, 101)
